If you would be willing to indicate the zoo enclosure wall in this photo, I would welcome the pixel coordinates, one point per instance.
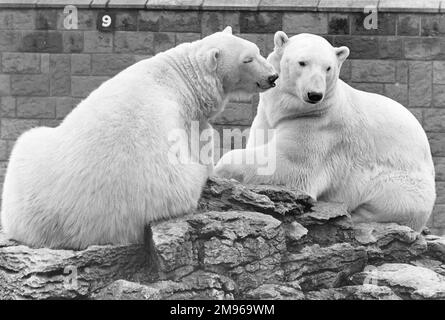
(47, 69)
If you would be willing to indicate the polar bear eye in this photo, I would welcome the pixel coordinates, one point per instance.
(328, 69)
(302, 63)
(248, 60)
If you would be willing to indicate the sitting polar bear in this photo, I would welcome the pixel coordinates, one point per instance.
(104, 173)
(335, 142)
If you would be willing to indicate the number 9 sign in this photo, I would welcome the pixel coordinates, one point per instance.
(105, 21)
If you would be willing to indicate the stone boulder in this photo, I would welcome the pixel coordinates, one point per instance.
(243, 242)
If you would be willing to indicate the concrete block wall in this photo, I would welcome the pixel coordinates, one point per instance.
(46, 70)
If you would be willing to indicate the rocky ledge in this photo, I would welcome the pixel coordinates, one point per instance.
(244, 242)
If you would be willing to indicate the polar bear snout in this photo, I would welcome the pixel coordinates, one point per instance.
(312, 86)
(267, 83)
(314, 97)
(272, 79)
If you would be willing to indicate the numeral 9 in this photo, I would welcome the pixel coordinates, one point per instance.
(106, 21)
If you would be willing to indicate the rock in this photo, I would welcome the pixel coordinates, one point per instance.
(323, 212)
(222, 195)
(318, 267)
(426, 231)
(407, 281)
(243, 242)
(390, 242)
(27, 273)
(176, 254)
(328, 223)
(436, 247)
(295, 231)
(245, 245)
(126, 290)
(287, 291)
(198, 285)
(435, 265)
(359, 292)
(284, 204)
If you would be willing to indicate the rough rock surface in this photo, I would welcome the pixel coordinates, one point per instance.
(244, 242)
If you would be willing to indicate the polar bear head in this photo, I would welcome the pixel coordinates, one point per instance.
(238, 63)
(308, 65)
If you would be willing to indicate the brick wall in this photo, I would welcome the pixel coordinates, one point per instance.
(46, 70)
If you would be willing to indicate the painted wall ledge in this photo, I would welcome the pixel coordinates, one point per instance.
(413, 6)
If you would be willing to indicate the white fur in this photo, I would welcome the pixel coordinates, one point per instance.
(359, 148)
(103, 174)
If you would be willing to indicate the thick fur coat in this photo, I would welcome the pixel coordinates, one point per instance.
(350, 146)
(105, 172)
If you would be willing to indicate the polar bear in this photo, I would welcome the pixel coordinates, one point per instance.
(335, 142)
(105, 172)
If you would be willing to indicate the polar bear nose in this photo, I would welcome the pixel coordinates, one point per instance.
(272, 78)
(314, 96)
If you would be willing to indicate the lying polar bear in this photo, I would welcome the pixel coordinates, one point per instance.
(105, 172)
(335, 142)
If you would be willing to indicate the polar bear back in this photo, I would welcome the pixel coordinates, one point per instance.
(389, 127)
(95, 178)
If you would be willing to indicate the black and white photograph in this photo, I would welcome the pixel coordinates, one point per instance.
(260, 152)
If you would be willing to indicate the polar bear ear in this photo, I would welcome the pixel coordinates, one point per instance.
(212, 58)
(342, 53)
(228, 29)
(280, 39)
